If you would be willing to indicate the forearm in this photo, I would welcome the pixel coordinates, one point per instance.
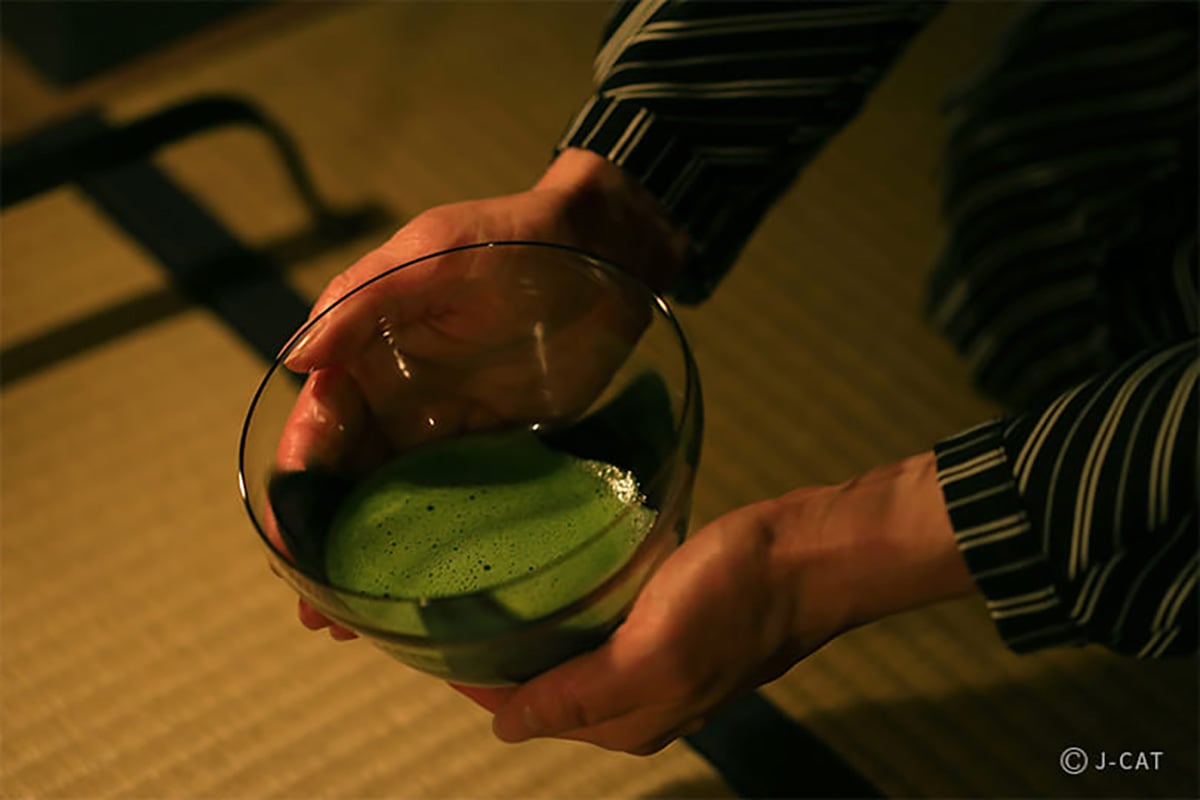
(906, 555)
(878, 545)
(1076, 522)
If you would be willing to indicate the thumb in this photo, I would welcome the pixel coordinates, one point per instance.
(333, 334)
(376, 294)
(585, 691)
(343, 316)
(489, 697)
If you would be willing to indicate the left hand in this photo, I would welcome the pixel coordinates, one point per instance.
(471, 338)
(740, 602)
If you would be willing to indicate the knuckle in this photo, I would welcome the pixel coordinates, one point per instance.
(341, 283)
(432, 229)
(571, 710)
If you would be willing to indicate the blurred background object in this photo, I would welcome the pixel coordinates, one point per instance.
(71, 41)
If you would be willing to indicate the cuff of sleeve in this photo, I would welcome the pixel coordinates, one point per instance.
(719, 205)
(1005, 554)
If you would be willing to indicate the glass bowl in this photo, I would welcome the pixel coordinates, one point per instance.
(477, 374)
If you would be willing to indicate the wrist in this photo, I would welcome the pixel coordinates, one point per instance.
(878, 545)
(906, 554)
(615, 217)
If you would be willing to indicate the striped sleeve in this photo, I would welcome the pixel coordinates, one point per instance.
(715, 106)
(1078, 520)
(1070, 198)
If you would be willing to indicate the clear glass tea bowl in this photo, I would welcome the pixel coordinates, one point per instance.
(538, 339)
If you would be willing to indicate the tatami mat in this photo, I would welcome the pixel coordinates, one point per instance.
(148, 652)
(145, 649)
(83, 279)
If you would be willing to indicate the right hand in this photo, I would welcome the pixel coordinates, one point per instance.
(739, 602)
(338, 420)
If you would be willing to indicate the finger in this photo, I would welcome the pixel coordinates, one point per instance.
(326, 421)
(489, 697)
(642, 732)
(359, 304)
(370, 265)
(588, 690)
(311, 618)
(341, 634)
(335, 335)
(314, 620)
(652, 746)
(271, 531)
(309, 348)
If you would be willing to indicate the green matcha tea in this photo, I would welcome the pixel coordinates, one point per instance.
(479, 513)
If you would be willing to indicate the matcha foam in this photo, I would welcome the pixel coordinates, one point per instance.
(469, 514)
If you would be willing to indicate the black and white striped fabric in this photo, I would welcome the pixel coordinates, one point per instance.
(1078, 520)
(1071, 202)
(1068, 279)
(715, 107)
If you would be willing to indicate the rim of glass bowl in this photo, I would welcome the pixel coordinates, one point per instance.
(611, 270)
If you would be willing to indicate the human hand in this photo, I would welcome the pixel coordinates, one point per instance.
(739, 603)
(356, 406)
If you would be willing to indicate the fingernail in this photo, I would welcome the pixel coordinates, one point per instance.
(341, 634)
(512, 728)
